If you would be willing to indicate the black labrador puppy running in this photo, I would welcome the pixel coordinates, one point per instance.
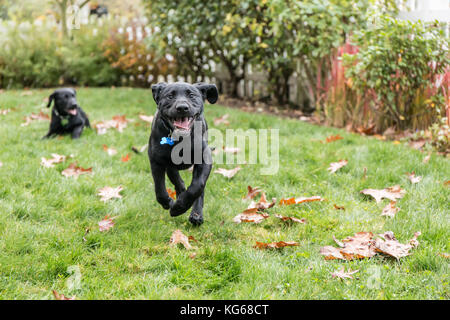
(67, 115)
(179, 140)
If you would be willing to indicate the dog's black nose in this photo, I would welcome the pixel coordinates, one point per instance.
(182, 108)
(74, 106)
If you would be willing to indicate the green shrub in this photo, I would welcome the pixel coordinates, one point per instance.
(396, 68)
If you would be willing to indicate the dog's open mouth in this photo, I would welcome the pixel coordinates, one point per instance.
(72, 112)
(184, 123)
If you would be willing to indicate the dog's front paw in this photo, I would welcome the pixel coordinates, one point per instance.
(196, 218)
(178, 208)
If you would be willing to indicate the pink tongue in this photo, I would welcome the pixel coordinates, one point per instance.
(183, 124)
(73, 112)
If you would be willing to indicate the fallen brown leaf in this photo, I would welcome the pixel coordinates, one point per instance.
(117, 122)
(110, 151)
(172, 193)
(335, 166)
(391, 193)
(275, 245)
(288, 219)
(41, 116)
(252, 192)
(359, 246)
(262, 204)
(250, 215)
(290, 201)
(391, 247)
(179, 237)
(390, 210)
(106, 224)
(228, 173)
(412, 177)
(145, 118)
(332, 138)
(74, 171)
(342, 274)
(107, 193)
(50, 163)
(125, 158)
(338, 207)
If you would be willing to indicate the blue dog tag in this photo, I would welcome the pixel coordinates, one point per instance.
(167, 140)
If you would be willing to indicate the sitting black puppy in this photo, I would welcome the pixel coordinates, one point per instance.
(178, 122)
(67, 116)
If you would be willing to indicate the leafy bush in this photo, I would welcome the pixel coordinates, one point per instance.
(36, 55)
(397, 68)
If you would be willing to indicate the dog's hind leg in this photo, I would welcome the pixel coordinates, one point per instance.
(196, 216)
(159, 178)
(177, 181)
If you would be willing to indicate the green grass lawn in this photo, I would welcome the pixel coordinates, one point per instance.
(44, 215)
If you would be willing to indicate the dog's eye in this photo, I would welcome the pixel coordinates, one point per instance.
(191, 95)
(171, 96)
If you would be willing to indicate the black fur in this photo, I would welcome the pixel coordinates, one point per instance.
(66, 109)
(181, 100)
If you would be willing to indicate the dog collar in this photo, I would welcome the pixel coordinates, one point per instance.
(58, 115)
(167, 140)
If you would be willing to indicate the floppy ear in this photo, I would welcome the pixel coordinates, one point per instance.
(50, 99)
(208, 91)
(156, 91)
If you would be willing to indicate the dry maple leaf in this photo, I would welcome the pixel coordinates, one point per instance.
(391, 247)
(333, 138)
(50, 163)
(252, 192)
(74, 171)
(290, 201)
(262, 204)
(222, 119)
(110, 151)
(338, 207)
(179, 237)
(275, 245)
(335, 166)
(228, 173)
(106, 224)
(331, 253)
(390, 210)
(117, 122)
(288, 219)
(342, 274)
(357, 247)
(171, 193)
(41, 116)
(250, 215)
(145, 118)
(107, 193)
(61, 296)
(125, 158)
(391, 193)
(412, 177)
